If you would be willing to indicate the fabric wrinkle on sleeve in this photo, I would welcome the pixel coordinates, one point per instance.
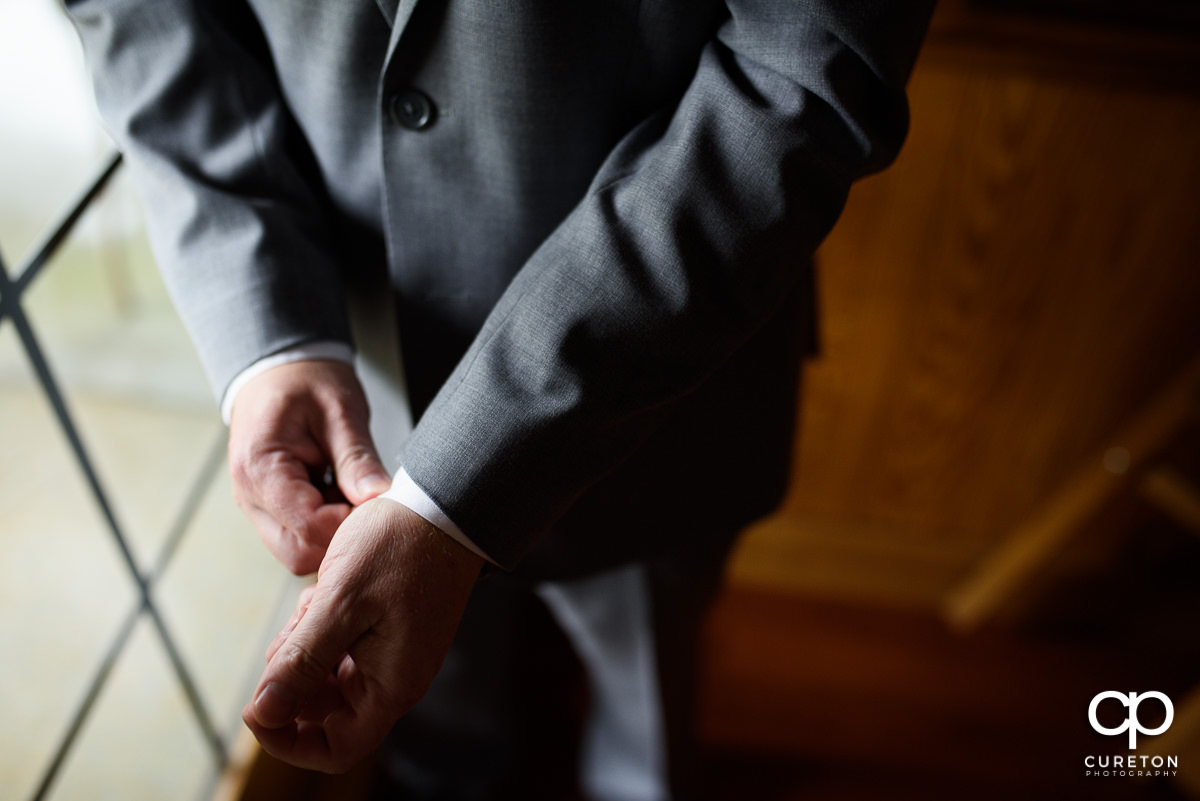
(684, 247)
(241, 237)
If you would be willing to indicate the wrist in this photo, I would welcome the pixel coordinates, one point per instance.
(425, 536)
(327, 350)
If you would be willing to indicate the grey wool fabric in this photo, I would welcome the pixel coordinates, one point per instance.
(598, 244)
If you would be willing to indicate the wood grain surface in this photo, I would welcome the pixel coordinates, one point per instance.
(993, 307)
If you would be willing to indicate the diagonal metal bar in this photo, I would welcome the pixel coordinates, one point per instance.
(58, 403)
(8, 293)
(213, 461)
(50, 386)
(283, 606)
(207, 728)
(58, 234)
(85, 707)
(183, 519)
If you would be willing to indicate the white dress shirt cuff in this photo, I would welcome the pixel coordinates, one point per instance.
(405, 491)
(321, 349)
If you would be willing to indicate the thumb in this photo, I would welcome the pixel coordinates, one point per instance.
(300, 669)
(360, 474)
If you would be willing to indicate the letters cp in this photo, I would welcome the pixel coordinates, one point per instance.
(1132, 724)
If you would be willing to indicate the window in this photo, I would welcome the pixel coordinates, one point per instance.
(135, 601)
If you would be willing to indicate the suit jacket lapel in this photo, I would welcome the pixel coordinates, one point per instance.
(401, 12)
(388, 7)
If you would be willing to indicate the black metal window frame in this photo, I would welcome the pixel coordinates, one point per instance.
(12, 288)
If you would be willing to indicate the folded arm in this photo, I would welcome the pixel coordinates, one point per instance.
(688, 239)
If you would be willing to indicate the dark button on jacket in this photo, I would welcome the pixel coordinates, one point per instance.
(413, 109)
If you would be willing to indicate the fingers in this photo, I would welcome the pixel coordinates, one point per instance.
(328, 734)
(288, 424)
(366, 643)
(314, 707)
(333, 744)
(301, 607)
(299, 546)
(272, 487)
(301, 665)
(360, 475)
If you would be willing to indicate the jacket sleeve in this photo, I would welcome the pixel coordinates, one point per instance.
(187, 90)
(687, 240)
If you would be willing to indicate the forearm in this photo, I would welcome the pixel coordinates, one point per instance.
(692, 233)
(187, 91)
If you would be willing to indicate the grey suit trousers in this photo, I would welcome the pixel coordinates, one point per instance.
(565, 686)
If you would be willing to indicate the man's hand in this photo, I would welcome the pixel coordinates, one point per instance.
(365, 642)
(290, 423)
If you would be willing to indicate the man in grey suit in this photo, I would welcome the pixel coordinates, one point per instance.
(595, 220)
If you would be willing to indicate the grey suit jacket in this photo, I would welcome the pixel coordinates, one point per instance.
(598, 240)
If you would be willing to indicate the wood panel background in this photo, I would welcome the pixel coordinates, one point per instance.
(994, 306)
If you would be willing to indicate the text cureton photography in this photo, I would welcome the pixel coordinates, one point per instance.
(1130, 765)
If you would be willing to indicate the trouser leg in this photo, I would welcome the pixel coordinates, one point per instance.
(609, 620)
(636, 630)
(500, 721)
